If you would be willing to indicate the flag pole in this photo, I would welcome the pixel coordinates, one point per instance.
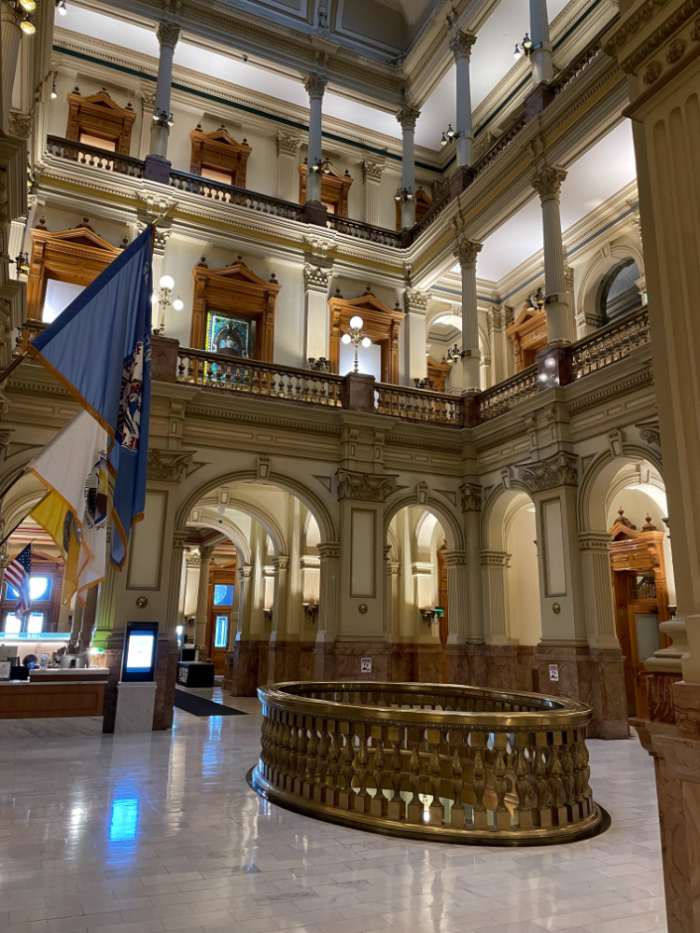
(12, 367)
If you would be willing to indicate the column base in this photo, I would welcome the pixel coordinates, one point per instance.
(460, 181)
(156, 168)
(540, 97)
(316, 213)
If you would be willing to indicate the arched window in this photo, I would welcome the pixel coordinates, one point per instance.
(619, 295)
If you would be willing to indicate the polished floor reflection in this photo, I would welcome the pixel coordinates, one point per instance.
(144, 834)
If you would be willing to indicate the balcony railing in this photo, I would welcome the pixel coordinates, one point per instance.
(224, 373)
(95, 157)
(447, 763)
(367, 232)
(611, 343)
(228, 194)
(250, 377)
(419, 405)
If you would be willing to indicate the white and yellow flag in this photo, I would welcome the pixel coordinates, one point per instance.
(74, 469)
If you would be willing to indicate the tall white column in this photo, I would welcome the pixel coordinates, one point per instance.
(372, 177)
(407, 118)
(10, 39)
(466, 252)
(318, 322)
(547, 182)
(541, 55)
(148, 108)
(471, 496)
(280, 615)
(328, 601)
(315, 86)
(287, 167)
(461, 46)
(202, 614)
(415, 306)
(168, 34)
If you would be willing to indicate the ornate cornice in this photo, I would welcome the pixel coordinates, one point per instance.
(547, 181)
(471, 497)
(555, 471)
(168, 34)
(407, 117)
(168, 466)
(367, 487)
(629, 27)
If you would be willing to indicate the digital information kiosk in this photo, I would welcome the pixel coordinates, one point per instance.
(137, 687)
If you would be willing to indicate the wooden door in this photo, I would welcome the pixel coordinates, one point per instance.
(637, 617)
(442, 596)
(222, 593)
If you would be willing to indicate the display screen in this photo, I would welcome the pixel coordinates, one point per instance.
(140, 653)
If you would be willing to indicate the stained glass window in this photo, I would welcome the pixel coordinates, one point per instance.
(233, 336)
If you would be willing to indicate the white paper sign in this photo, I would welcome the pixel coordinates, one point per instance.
(5, 669)
(554, 672)
(365, 665)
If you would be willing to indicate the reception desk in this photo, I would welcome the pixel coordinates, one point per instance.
(53, 703)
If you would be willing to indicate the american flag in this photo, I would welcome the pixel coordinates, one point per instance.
(17, 575)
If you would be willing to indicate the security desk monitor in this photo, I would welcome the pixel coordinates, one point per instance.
(139, 663)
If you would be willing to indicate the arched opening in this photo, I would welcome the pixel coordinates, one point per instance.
(265, 539)
(524, 618)
(444, 339)
(619, 293)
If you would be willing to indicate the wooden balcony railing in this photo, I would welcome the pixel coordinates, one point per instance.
(611, 343)
(228, 194)
(95, 157)
(502, 397)
(447, 763)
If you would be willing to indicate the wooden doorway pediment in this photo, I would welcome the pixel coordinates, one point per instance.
(438, 373)
(220, 153)
(335, 188)
(74, 256)
(239, 293)
(101, 118)
(528, 335)
(381, 324)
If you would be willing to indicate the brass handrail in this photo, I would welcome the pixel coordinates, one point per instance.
(465, 764)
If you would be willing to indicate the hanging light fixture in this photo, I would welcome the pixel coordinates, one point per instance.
(517, 52)
(448, 136)
(54, 95)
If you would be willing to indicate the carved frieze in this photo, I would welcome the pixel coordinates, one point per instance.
(367, 487)
(559, 470)
(168, 466)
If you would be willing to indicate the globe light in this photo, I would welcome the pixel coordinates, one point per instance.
(27, 25)
(54, 95)
(154, 299)
(550, 362)
(346, 338)
(366, 342)
(178, 304)
(62, 8)
(356, 322)
(28, 5)
(167, 281)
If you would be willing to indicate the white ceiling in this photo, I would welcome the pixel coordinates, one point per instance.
(413, 10)
(599, 174)
(492, 59)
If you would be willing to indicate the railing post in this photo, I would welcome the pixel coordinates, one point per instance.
(164, 358)
(357, 392)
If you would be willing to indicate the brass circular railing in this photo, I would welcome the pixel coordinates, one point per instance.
(454, 763)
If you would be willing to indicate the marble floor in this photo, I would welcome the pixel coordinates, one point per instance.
(145, 834)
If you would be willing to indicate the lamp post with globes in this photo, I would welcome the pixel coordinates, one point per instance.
(164, 298)
(356, 336)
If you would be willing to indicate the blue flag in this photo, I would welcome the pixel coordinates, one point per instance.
(99, 348)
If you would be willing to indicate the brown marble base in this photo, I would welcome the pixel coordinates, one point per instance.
(592, 676)
(660, 696)
(676, 754)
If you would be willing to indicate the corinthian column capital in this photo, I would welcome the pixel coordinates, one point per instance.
(461, 43)
(168, 34)
(547, 182)
(407, 117)
(466, 251)
(315, 85)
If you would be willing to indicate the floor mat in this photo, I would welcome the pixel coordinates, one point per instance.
(200, 706)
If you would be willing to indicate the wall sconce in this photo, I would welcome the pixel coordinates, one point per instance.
(536, 303)
(525, 47)
(27, 25)
(311, 612)
(432, 616)
(22, 263)
(267, 615)
(448, 136)
(454, 355)
(356, 336)
(423, 383)
(163, 118)
(61, 6)
(164, 298)
(404, 194)
(318, 166)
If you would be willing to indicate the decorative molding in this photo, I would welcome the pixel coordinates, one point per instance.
(555, 471)
(372, 171)
(367, 487)
(461, 43)
(547, 182)
(168, 466)
(315, 85)
(415, 301)
(288, 144)
(20, 125)
(168, 34)
(465, 250)
(407, 117)
(316, 279)
(471, 497)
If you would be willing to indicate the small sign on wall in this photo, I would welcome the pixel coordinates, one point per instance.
(554, 672)
(365, 665)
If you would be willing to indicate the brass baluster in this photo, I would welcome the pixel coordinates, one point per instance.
(345, 797)
(293, 746)
(362, 798)
(397, 808)
(458, 810)
(522, 788)
(379, 804)
(334, 766)
(322, 764)
(567, 763)
(437, 811)
(500, 785)
(414, 810)
(556, 785)
(479, 781)
(301, 759)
